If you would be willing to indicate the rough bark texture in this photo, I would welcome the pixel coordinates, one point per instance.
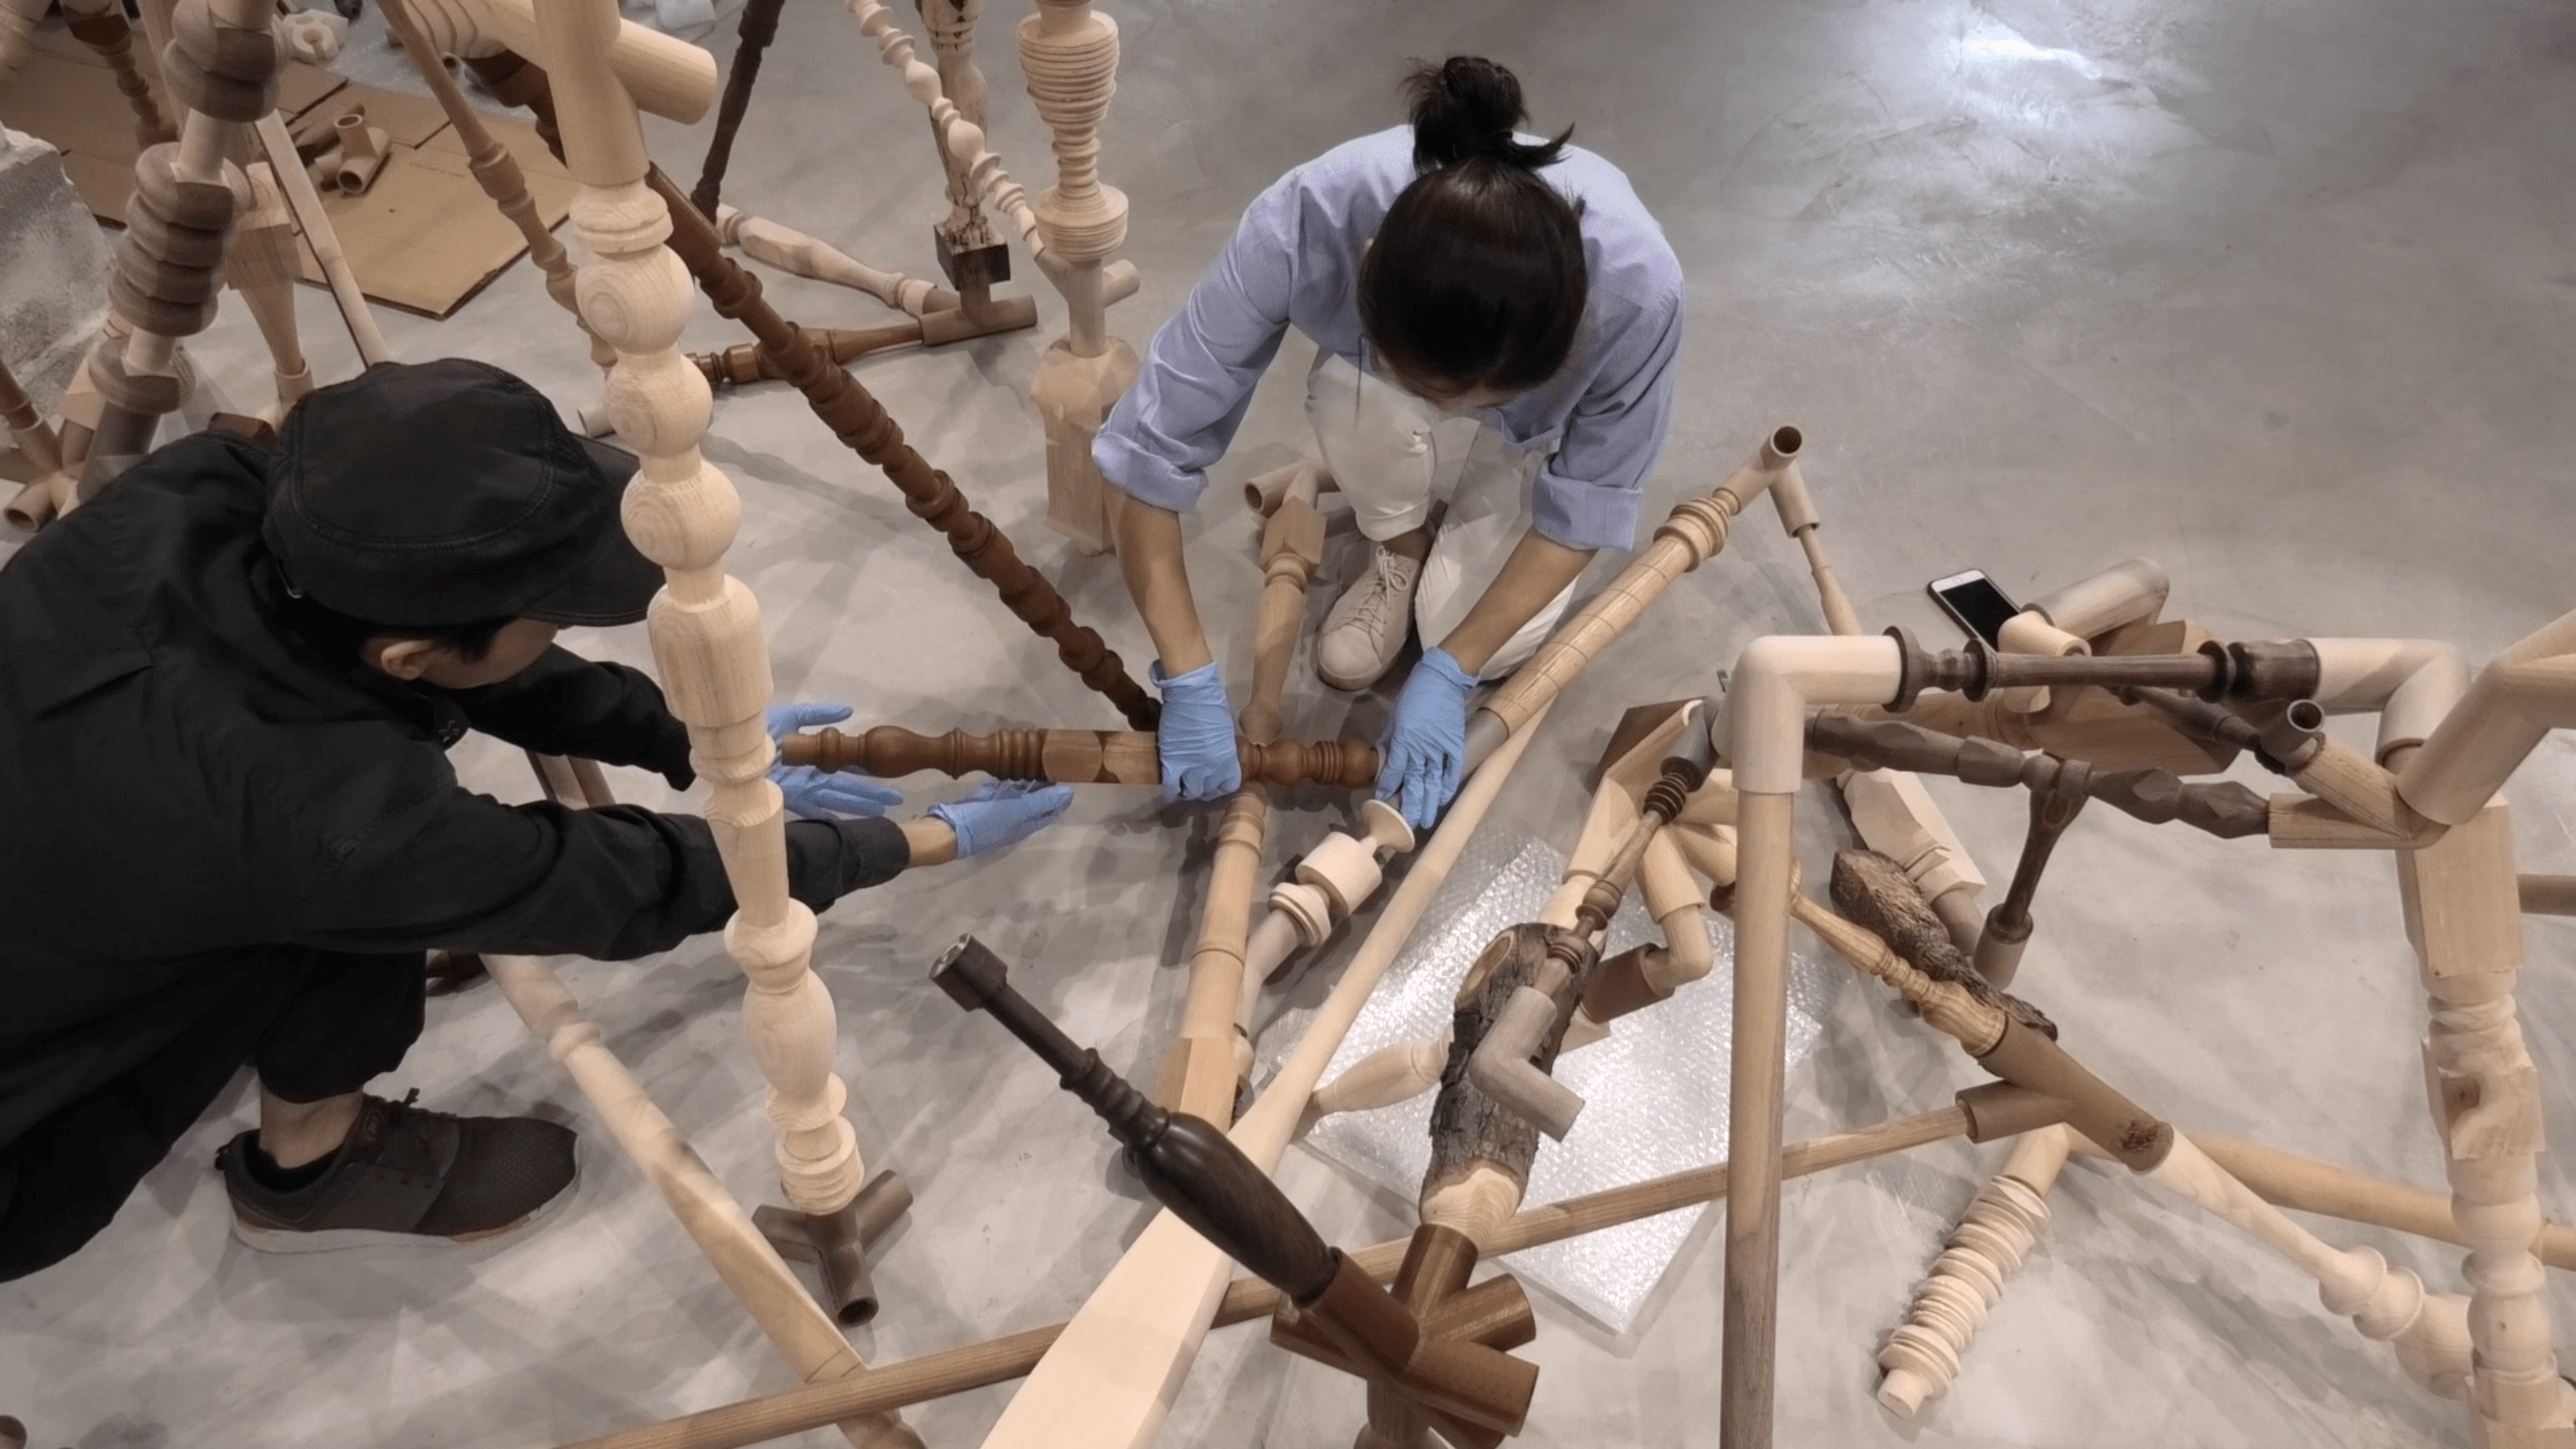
(1875, 892)
(1468, 1128)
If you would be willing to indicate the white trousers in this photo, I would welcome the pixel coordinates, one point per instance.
(1377, 443)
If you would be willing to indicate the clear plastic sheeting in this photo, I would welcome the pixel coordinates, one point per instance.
(1655, 1091)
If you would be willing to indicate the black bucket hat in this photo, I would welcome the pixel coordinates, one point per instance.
(449, 492)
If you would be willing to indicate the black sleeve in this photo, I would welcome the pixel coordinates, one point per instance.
(464, 872)
(567, 705)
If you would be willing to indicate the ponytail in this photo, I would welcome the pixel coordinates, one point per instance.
(1476, 277)
(1464, 108)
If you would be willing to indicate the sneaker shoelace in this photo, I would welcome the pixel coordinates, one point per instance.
(1393, 578)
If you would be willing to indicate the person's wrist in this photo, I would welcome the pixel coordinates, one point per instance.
(1202, 677)
(1447, 668)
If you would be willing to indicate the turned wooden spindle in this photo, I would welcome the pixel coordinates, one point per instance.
(855, 417)
(2463, 917)
(964, 231)
(1070, 53)
(798, 254)
(759, 27)
(101, 25)
(496, 170)
(1206, 1181)
(705, 625)
(1210, 1063)
(2282, 669)
(222, 66)
(2054, 803)
(2225, 809)
(1996, 1232)
(1070, 757)
(1333, 880)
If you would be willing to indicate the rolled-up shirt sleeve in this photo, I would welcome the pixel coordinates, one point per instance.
(1198, 377)
(1592, 489)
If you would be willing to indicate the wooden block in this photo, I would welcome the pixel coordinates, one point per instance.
(2486, 1115)
(2462, 899)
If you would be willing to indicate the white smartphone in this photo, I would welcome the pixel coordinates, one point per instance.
(1973, 600)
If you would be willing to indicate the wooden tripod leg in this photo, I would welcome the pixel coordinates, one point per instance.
(261, 268)
(705, 626)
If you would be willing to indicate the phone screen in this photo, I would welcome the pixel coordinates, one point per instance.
(1973, 600)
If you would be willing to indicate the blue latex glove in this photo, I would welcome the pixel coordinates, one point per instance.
(1425, 744)
(818, 794)
(1002, 813)
(1197, 735)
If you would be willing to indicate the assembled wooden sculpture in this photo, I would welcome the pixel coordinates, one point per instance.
(2089, 697)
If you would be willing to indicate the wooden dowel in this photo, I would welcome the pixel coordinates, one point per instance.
(2286, 1179)
(1070, 757)
(979, 1365)
(2548, 895)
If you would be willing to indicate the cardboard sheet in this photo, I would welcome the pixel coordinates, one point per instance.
(424, 238)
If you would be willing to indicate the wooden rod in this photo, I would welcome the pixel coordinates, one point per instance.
(1070, 757)
(315, 224)
(2286, 1179)
(2548, 895)
(980, 1365)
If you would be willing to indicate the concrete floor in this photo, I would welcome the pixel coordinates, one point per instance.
(2276, 295)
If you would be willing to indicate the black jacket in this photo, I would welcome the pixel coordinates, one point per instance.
(187, 782)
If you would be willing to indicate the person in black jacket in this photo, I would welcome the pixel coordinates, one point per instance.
(229, 831)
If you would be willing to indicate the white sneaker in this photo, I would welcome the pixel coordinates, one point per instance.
(1365, 629)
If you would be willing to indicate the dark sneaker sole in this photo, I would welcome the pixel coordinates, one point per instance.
(292, 1242)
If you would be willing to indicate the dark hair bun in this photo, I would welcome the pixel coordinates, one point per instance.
(1464, 109)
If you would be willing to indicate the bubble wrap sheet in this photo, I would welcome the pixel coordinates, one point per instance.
(1655, 1092)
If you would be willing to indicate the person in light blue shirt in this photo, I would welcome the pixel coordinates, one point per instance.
(1449, 267)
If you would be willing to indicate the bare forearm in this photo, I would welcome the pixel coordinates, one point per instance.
(1149, 555)
(931, 840)
(1538, 570)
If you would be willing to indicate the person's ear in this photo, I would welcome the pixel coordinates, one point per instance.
(401, 658)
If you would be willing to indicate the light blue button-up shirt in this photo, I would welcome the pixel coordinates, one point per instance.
(1295, 261)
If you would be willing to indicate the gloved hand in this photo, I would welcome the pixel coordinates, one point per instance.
(1425, 744)
(1002, 813)
(818, 794)
(1196, 738)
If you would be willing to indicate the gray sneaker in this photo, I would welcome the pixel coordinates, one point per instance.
(1365, 629)
(407, 1174)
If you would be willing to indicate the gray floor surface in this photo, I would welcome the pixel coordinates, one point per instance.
(2278, 295)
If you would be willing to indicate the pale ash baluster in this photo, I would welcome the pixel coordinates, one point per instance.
(705, 625)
